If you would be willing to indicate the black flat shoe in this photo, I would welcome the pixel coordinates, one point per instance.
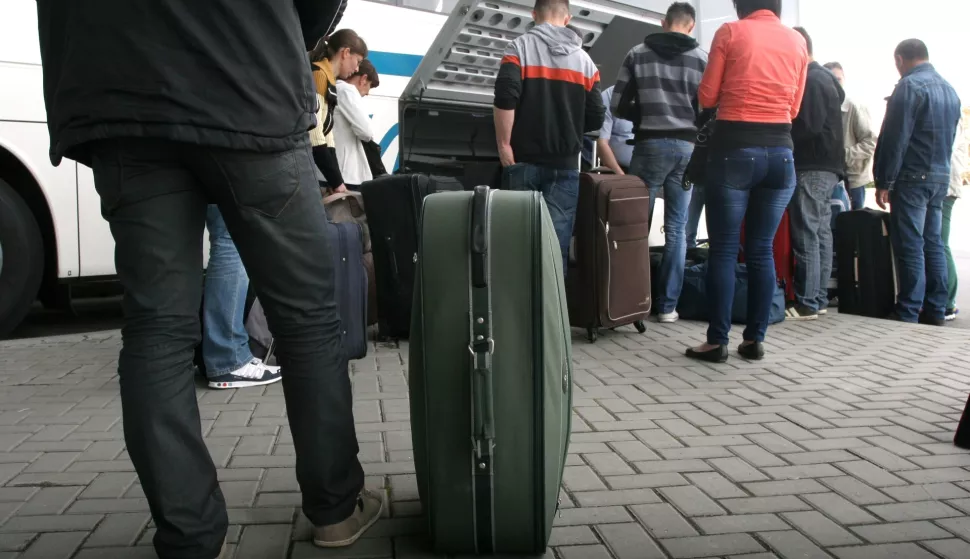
(752, 352)
(716, 355)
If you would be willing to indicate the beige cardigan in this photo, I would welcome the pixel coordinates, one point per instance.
(961, 160)
(860, 143)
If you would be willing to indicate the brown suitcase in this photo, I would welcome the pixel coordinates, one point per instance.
(608, 284)
(371, 288)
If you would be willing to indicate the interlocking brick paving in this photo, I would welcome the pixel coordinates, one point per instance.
(836, 446)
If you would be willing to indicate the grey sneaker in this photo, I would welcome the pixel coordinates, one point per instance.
(342, 534)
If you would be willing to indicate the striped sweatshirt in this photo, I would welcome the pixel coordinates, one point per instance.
(659, 80)
(553, 86)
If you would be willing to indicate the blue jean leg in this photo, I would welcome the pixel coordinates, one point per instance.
(767, 206)
(811, 223)
(694, 214)
(857, 197)
(661, 164)
(225, 343)
(756, 185)
(560, 190)
(917, 222)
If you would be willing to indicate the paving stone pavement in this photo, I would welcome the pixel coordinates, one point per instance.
(836, 446)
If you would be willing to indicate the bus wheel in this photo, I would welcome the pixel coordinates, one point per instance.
(21, 259)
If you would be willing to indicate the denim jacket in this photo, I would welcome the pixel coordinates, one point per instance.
(917, 135)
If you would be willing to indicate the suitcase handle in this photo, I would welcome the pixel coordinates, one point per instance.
(482, 345)
(479, 239)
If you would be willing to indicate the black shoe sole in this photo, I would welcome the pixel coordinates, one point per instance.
(716, 355)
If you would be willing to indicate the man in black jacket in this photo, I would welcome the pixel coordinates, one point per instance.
(176, 104)
(819, 164)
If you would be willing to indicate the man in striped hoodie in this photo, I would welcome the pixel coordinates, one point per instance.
(546, 96)
(657, 90)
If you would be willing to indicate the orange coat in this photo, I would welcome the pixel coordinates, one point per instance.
(756, 71)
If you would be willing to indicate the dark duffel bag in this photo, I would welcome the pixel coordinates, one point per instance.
(694, 304)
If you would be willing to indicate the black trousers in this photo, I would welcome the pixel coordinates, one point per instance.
(154, 195)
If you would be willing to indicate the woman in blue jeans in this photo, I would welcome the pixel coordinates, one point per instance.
(756, 78)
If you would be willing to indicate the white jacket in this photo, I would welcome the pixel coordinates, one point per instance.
(960, 163)
(351, 126)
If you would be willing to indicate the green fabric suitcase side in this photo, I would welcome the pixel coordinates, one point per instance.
(531, 376)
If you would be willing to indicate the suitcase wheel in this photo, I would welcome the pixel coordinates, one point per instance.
(640, 326)
(591, 335)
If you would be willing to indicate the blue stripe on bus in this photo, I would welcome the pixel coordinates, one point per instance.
(394, 63)
(386, 143)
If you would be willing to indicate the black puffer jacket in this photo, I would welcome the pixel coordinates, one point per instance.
(817, 132)
(223, 73)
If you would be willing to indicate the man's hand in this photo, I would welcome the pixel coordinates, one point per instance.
(339, 189)
(882, 198)
(506, 156)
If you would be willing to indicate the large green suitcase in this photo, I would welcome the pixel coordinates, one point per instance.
(490, 371)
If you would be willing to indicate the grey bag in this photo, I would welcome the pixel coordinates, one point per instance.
(348, 207)
(261, 342)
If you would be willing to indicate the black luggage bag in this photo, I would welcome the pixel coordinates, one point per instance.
(350, 285)
(393, 205)
(866, 275)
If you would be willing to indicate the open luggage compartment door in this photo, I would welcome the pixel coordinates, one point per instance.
(446, 109)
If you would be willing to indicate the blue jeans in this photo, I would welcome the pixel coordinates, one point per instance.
(225, 343)
(753, 185)
(917, 224)
(694, 214)
(661, 164)
(857, 197)
(811, 231)
(560, 190)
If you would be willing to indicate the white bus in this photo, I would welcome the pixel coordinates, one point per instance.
(52, 235)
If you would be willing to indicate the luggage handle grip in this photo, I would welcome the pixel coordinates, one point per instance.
(479, 236)
(483, 428)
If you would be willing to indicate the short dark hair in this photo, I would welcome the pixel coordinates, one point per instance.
(328, 47)
(681, 13)
(808, 39)
(748, 7)
(913, 49)
(367, 68)
(551, 6)
(834, 66)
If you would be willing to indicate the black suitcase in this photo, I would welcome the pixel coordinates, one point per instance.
(393, 205)
(482, 173)
(866, 275)
(350, 285)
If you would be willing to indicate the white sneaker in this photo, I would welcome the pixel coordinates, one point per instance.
(254, 373)
(668, 318)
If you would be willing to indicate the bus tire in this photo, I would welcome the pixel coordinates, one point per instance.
(22, 264)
